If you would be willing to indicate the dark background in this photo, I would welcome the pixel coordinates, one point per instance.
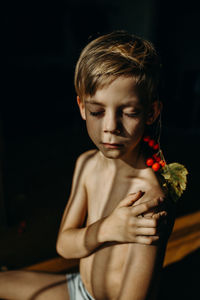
(41, 130)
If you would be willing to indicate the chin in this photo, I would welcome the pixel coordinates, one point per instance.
(112, 154)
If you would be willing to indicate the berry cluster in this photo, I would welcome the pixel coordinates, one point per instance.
(155, 161)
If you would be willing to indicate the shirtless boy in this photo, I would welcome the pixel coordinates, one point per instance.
(111, 221)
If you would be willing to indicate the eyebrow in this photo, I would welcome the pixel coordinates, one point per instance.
(123, 105)
(94, 102)
(130, 103)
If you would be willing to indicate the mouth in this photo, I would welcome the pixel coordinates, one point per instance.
(112, 145)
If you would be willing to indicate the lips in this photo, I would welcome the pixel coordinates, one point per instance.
(112, 145)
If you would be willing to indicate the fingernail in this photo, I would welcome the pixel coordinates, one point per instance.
(161, 199)
(164, 214)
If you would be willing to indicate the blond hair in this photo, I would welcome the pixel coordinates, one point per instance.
(118, 54)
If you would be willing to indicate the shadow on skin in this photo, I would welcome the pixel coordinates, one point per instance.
(30, 285)
(47, 288)
(103, 258)
(75, 189)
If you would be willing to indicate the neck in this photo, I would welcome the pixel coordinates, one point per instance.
(134, 161)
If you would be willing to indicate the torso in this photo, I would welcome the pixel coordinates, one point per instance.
(102, 271)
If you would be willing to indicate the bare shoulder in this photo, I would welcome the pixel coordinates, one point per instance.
(154, 190)
(81, 168)
(86, 155)
(85, 158)
(150, 184)
(76, 208)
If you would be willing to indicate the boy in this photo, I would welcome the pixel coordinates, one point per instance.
(111, 219)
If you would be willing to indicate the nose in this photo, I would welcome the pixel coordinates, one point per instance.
(111, 123)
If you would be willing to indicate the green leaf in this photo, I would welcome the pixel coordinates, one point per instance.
(175, 176)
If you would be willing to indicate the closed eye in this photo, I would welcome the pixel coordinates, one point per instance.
(96, 113)
(132, 115)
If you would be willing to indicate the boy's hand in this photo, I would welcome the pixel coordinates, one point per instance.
(126, 225)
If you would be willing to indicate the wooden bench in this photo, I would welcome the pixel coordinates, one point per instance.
(184, 239)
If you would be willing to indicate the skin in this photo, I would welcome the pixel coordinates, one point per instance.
(111, 221)
(115, 115)
(115, 249)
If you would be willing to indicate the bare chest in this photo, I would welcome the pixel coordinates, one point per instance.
(105, 190)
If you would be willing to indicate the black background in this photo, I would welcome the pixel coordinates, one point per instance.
(42, 132)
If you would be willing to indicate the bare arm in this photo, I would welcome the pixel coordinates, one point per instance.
(76, 241)
(143, 268)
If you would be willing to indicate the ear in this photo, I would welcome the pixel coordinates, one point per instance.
(154, 112)
(81, 107)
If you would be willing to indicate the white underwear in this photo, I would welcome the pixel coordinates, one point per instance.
(77, 290)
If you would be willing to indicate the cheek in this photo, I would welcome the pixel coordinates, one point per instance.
(135, 127)
(93, 128)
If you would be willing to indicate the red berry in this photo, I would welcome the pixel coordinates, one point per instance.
(151, 143)
(146, 138)
(156, 147)
(162, 163)
(157, 158)
(149, 162)
(156, 166)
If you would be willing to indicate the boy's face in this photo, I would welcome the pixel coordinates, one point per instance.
(115, 118)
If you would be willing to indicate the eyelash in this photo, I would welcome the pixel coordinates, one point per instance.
(98, 113)
(133, 115)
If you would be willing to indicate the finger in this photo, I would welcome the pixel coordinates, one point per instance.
(160, 215)
(146, 240)
(146, 206)
(130, 199)
(146, 222)
(140, 231)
